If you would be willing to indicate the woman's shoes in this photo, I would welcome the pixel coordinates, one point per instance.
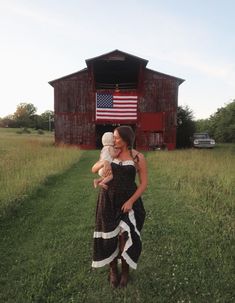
(124, 281)
(113, 274)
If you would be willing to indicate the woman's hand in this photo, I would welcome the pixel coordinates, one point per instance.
(142, 172)
(127, 206)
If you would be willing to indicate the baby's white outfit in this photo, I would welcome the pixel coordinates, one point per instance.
(104, 155)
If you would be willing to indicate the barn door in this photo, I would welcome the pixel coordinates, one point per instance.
(155, 140)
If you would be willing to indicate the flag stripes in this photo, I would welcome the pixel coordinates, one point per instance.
(116, 106)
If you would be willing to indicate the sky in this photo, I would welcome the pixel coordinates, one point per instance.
(43, 40)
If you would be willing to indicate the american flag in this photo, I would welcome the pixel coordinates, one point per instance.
(117, 106)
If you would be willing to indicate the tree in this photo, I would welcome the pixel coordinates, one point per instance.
(222, 123)
(185, 127)
(8, 121)
(203, 125)
(47, 120)
(24, 115)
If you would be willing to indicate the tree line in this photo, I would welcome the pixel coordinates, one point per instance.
(220, 125)
(25, 116)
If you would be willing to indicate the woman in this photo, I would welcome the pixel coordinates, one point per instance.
(120, 213)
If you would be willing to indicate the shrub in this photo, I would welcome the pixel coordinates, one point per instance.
(40, 132)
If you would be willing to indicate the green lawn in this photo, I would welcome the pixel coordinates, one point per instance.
(188, 237)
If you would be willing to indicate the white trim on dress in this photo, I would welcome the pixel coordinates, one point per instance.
(126, 162)
(128, 244)
(108, 235)
(129, 261)
(107, 260)
(131, 216)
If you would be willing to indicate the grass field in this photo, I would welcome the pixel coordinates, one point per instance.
(26, 161)
(188, 237)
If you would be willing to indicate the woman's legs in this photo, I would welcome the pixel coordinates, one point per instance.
(125, 266)
(125, 274)
(113, 273)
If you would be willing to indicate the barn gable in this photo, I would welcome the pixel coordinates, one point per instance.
(122, 74)
(116, 68)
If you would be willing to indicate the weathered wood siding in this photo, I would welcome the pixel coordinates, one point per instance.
(159, 95)
(74, 110)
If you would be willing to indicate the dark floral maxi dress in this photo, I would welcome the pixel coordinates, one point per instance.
(111, 221)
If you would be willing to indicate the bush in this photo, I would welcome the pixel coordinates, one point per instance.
(23, 130)
(40, 132)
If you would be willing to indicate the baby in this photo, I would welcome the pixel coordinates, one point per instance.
(108, 153)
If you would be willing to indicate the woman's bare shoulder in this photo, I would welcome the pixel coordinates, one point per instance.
(137, 154)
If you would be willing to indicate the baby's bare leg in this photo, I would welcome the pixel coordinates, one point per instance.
(96, 182)
(106, 180)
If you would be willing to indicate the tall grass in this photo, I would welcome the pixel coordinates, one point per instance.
(26, 160)
(187, 256)
(204, 177)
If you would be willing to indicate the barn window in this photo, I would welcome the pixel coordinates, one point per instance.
(123, 71)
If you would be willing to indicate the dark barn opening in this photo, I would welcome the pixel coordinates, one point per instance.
(100, 130)
(121, 71)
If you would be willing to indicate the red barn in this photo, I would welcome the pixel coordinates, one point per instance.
(114, 89)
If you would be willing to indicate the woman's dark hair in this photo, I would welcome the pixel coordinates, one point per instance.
(127, 134)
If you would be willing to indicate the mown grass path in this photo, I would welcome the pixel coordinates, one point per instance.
(46, 247)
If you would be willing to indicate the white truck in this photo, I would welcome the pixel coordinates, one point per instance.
(202, 140)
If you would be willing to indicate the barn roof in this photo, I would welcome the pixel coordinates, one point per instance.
(67, 76)
(180, 80)
(116, 55)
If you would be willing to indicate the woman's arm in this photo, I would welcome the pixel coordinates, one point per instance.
(143, 181)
